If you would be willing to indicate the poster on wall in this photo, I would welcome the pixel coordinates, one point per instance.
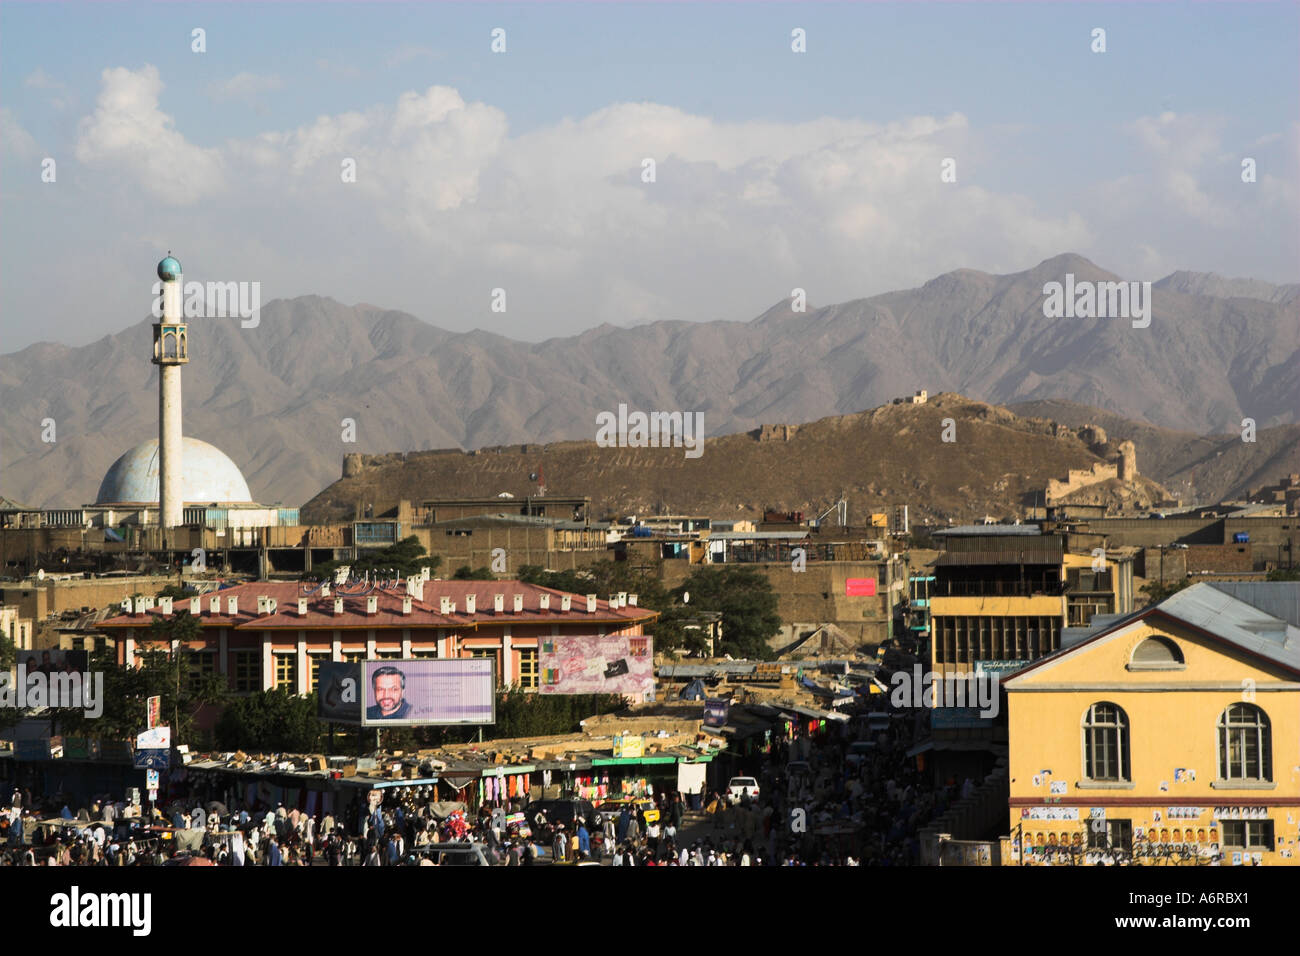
(589, 664)
(410, 693)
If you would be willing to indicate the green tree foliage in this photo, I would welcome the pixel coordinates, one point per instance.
(271, 720)
(1157, 591)
(177, 592)
(406, 558)
(466, 573)
(175, 677)
(610, 577)
(747, 603)
(1283, 574)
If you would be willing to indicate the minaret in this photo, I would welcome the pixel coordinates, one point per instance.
(170, 352)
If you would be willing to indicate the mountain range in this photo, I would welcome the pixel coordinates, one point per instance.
(275, 397)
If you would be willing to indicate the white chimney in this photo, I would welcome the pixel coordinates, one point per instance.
(471, 603)
(302, 607)
(566, 602)
(519, 603)
(165, 605)
(127, 606)
(406, 604)
(196, 606)
(372, 603)
(325, 589)
(148, 603)
(498, 603)
(214, 606)
(425, 572)
(622, 599)
(265, 605)
(338, 605)
(444, 605)
(139, 606)
(591, 604)
(453, 607)
(232, 605)
(631, 599)
(544, 602)
(613, 601)
(419, 589)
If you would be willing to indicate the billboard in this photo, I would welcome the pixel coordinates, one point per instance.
(587, 664)
(53, 661)
(338, 692)
(716, 712)
(410, 693)
(860, 587)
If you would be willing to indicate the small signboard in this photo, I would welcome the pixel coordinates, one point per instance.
(153, 712)
(151, 779)
(156, 738)
(860, 587)
(151, 759)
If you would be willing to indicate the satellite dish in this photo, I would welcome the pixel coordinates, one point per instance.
(686, 597)
(532, 476)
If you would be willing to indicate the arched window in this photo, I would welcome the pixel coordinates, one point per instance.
(1105, 743)
(1157, 653)
(169, 345)
(1245, 744)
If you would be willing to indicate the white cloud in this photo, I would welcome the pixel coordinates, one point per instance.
(38, 79)
(245, 87)
(14, 140)
(128, 135)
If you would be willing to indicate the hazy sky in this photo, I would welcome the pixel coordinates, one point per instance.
(522, 170)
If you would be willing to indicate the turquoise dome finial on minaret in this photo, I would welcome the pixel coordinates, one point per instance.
(169, 269)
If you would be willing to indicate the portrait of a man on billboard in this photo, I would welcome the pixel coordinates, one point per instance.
(388, 684)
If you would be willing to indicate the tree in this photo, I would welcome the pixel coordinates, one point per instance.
(1157, 591)
(174, 676)
(747, 603)
(523, 713)
(466, 573)
(270, 720)
(1283, 574)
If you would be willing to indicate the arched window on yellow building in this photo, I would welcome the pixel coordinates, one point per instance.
(1105, 743)
(1245, 745)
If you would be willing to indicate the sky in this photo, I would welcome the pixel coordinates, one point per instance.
(526, 170)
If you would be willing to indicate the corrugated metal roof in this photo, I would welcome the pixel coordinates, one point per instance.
(1281, 599)
(1212, 608)
(755, 535)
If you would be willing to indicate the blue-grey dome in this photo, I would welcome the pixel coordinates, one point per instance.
(208, 476)
(169, 269)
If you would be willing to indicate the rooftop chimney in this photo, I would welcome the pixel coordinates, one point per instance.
(566, 602)
(631, 599)
(471, 603)
(338, 605)
(372, 603)
(196, 606)
(127, 606)
(519, 603)
(498, 603)
(444, 605)
(591, 604)
(406, 604)
(622, 599)
(544, 602)
(265, 605)
(302, 607)
(325, 589)
(232, 605)
(214, 606)
(165, 605)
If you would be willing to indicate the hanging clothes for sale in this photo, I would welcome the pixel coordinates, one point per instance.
(527, 783)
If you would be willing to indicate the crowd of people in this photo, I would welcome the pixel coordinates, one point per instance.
(820, 803)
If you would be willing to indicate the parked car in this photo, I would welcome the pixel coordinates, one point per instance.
(453, 854)
(739, 786)
(798, 768)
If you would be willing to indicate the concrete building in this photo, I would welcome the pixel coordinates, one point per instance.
(269, 634)
(1164, 737)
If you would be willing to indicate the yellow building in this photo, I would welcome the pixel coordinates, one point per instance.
(1004, 593)
(1171, 736)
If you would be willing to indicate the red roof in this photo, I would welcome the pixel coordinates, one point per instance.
(424, 614)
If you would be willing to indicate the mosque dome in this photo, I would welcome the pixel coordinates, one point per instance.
(169, 269)
(208, 476)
